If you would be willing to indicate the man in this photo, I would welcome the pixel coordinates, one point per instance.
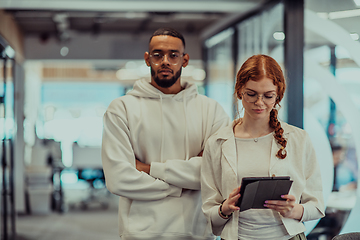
(152, 144)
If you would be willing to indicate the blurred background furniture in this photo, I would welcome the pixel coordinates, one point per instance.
(43, 178)
(348, 236)
(87, 163)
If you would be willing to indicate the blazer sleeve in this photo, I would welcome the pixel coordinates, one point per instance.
(312, 196)
(210, 189)
(118, 159)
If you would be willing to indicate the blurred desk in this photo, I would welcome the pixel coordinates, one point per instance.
(338, 208)
(344, 201)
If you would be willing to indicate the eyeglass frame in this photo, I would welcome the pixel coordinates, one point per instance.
(262, 98)
(163, 56)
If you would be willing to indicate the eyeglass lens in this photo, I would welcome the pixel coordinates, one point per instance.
(253, 97)
(172, 58)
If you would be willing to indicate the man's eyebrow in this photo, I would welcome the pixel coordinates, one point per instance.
(161, 50)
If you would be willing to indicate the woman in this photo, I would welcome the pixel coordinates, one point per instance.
(259, 145)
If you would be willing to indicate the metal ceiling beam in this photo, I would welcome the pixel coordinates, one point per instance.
(124, 6)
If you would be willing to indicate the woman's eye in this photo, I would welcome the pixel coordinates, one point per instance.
(269, 96)
(251, 94)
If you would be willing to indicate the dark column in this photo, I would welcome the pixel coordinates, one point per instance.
(235, 51)
(332, 118)
(294, 66)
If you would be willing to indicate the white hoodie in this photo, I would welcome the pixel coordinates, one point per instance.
(167, 131)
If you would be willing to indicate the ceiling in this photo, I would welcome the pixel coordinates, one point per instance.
(47, 18)
(79, 20)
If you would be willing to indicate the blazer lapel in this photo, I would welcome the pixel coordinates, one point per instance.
(228, 149)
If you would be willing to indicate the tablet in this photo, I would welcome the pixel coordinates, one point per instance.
(256, 190)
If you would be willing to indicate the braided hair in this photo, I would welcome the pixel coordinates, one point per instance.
(256, 68)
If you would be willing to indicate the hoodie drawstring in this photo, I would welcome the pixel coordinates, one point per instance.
(186, 130)
(162, 129)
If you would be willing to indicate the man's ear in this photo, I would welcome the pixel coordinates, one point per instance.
(147, 58)
(186, 60)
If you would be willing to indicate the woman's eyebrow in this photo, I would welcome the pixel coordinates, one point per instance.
(257, 92)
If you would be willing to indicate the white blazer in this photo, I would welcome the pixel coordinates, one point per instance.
(219, 178)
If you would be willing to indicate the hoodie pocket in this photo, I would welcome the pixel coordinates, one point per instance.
(165, 215)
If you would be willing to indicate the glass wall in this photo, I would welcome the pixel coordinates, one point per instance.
(7, 106)
(227, 50)
(331, 93)
(332, 106)
(7, 128)
(220, 66)
(263, 34)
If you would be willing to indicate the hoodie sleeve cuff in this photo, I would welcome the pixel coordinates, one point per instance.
(174, 191)
(157, 170)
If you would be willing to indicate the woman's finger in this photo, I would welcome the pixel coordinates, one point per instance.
(234, 192)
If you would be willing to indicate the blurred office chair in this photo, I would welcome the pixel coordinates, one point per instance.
(348, 236)
(87, 161)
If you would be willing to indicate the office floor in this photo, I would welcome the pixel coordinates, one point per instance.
(93, 223)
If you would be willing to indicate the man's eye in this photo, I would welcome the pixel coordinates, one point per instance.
(157, 55)
(174, 55)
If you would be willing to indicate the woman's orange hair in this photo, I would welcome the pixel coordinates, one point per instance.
(256, 68)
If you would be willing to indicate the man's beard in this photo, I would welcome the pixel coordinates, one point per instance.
(165, 83)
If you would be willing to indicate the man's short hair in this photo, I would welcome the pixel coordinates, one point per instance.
(168, 32)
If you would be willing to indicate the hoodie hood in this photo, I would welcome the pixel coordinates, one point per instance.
(143, 88)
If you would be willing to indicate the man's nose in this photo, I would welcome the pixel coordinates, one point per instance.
(165, 60)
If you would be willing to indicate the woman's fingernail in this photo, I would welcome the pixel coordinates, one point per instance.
(267, 201)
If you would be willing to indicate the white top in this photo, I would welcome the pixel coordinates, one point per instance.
(253, 156)
(167, 131)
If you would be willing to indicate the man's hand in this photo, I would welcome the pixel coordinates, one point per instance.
(142, 167)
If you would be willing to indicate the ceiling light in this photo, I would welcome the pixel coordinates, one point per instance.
(64, 51)
(279, 36)
(354, 36)
(323, 15)
(357, 2)
(344, 14)
(10, 51)
(134, 15)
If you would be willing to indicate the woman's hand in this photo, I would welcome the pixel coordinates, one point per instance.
(229, 205)
(287, 207)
